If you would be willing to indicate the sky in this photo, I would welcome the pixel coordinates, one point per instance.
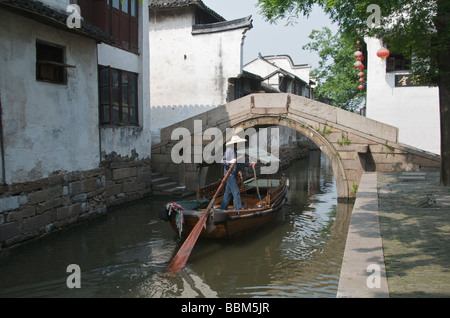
(273, 39)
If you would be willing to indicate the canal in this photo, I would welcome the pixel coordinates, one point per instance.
(124, 253)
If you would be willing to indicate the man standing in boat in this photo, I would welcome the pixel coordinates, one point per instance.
(232, 188)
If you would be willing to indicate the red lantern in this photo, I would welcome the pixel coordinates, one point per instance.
(361, 86)
(361, 58)
(383, 53)
(361, 80)
(361, 74)
(358, 64)
(361, 67)
(358, 54)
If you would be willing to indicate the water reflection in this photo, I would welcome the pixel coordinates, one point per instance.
(124, 253)
(300, 257)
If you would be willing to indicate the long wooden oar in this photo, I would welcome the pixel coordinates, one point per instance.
(182, 256)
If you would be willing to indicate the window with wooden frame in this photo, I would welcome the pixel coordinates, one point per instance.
(298, 88)
(397, 62)
(50, 66)
(308, 92)
(118, 96)
(238, 88)
(115, 17)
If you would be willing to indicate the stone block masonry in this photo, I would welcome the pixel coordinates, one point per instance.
(32, 209)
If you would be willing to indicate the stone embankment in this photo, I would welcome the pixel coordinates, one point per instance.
(32, 209)
(363, 273)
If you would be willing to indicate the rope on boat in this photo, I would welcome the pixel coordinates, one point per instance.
(179, 217)
(257, 188)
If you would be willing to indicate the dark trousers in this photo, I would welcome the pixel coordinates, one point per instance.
(231, 191)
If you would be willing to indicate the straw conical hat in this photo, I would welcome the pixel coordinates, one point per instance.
(235, 139)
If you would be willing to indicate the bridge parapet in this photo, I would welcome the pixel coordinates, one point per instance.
(354, 144)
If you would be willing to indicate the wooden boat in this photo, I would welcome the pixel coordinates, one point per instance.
(262, 201)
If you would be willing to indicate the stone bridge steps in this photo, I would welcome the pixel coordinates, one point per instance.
(163, 185)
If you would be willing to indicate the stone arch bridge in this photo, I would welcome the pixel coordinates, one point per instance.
(354, 144)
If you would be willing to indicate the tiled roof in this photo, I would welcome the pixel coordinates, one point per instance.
(184, 3)
(36, 10)
(223, 26)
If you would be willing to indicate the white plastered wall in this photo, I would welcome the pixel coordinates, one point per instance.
(414, 109)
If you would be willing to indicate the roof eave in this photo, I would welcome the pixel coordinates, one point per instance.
(185, 3)
(243, 23)
(41, 13)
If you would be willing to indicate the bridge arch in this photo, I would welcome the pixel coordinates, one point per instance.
(312, 134)
(352, 143)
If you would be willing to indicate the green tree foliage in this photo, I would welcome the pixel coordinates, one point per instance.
(419, 29)
(336, 77)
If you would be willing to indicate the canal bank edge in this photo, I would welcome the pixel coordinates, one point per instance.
(363, 271)
(34, 209)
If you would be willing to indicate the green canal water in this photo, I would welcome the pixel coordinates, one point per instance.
(124, 253)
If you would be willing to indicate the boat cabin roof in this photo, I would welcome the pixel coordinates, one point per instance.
(263, 183)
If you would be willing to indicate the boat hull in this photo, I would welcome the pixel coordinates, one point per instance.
(228, 227)
(259, 212)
